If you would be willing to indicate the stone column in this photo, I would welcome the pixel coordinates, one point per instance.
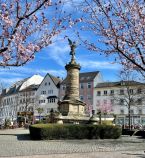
(72, 89)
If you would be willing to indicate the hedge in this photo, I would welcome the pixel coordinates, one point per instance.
(70, 131)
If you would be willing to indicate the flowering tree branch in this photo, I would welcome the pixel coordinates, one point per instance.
(118, 28)
(28, 26)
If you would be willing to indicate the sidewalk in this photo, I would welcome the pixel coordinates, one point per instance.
(17, 143)
(125, 154)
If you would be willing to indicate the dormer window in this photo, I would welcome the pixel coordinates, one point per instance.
(122, 83)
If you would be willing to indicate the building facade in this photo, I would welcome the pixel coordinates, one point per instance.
(122, 96)
(38, 92)
(19, 97)
(47, 94)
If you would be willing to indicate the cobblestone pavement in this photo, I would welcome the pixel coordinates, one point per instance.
(16, 143)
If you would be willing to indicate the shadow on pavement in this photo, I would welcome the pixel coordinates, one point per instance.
(137, 155)
(23, 136)
(19, 136)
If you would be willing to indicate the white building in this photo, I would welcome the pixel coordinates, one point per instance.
(18, 97)
(120, 95)
(47, 94)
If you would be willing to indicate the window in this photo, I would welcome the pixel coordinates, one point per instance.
(51, 100)
(139, 101)
(29, 93)
(121, 91)
(48, 110)
(131, 91)
(89, 97)
(121, 102)
(63, 87)
(131, 111)
(131, 100)
(98, 103)
(20, 101)
(98, 93)
(89, 85)
(105, 92)
(111, 92)
(112, 101)
(88, 77)
(43, 92)
(81, 86)
(41, 101)
(50, 91)
(81, 97)
(49, 83)
(32, 100)
(140, 111)
(139, 91)
(122, 111)
(45, 84)
(29, 109)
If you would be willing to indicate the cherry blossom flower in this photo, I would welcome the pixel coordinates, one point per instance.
(117, 29)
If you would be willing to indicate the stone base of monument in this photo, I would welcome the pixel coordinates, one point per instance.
(82, 119)
(72, 111)
(72, 107)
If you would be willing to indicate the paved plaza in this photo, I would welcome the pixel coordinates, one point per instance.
(16, 143)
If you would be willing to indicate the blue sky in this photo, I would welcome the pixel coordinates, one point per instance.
(53, 60)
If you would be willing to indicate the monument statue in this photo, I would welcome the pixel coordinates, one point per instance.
(72, 46)
(71, 105)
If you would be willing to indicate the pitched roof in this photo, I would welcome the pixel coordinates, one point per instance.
(32, 87)
(14, 88)
(85, 77)
(56, 80)
(119, 83)
(88, 76)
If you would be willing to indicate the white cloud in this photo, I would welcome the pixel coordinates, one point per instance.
(58, 53)
(98, 64)
(58, 73)
(23, 71)
(8, 81)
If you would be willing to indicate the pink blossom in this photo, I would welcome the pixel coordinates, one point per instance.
(25, 29)
(120, 26)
